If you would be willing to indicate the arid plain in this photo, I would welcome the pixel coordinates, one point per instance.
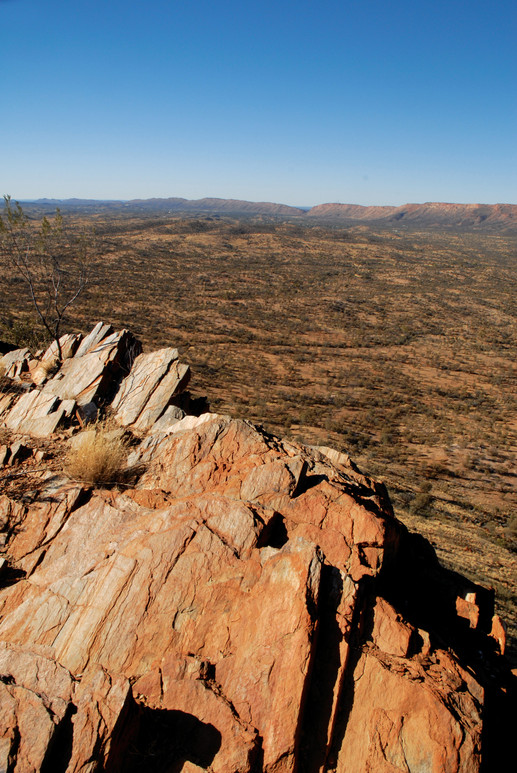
(396, 345)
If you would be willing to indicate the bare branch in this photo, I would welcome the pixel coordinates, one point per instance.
(50, 262)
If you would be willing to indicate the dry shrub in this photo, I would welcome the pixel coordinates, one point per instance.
(510, 533)
(97, 455)
(44, 369)
(421, 503)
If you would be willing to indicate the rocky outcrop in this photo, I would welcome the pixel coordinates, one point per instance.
(15, 362)
(247, 604)
(104, 368)
(147, 390)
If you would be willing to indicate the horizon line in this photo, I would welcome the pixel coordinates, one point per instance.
(50, 199)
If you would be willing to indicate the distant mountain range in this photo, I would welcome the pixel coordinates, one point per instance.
(429, 214)
(501, 217)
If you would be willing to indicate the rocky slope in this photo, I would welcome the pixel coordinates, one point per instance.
(241, 603)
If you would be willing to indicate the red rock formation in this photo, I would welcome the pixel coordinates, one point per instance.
(430, 214)
(249, 605)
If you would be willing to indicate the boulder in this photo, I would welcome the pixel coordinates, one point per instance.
(94, 374)
(171, 415)
(146, 392)
(68, 343)
(15, 362)
(38, 413)
(41, 368)
(94, 337)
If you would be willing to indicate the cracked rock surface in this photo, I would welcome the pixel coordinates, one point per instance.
(248, 605)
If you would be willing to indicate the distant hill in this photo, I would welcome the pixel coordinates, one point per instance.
(500, 217)
(218, 206)
(76, 202)
(431, 214)
(194, 206)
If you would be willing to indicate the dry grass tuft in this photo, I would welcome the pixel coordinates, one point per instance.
(97, 455)
(44, 370)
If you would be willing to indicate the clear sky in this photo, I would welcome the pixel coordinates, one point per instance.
(307, 102)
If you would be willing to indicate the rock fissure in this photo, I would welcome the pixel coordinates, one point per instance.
(172, 564)
(211, 684)
(218, 536)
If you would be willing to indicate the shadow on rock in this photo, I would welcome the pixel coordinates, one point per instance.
(165, 740)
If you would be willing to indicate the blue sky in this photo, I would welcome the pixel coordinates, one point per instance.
(297, 102)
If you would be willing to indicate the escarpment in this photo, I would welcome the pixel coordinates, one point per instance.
(240, 603)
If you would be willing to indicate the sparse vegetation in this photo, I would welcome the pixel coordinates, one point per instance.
(421, 503)
(511, 533)
(51, 263)
(23, 331)
(396, 346)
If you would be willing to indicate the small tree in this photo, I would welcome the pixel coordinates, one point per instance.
(52, 263)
